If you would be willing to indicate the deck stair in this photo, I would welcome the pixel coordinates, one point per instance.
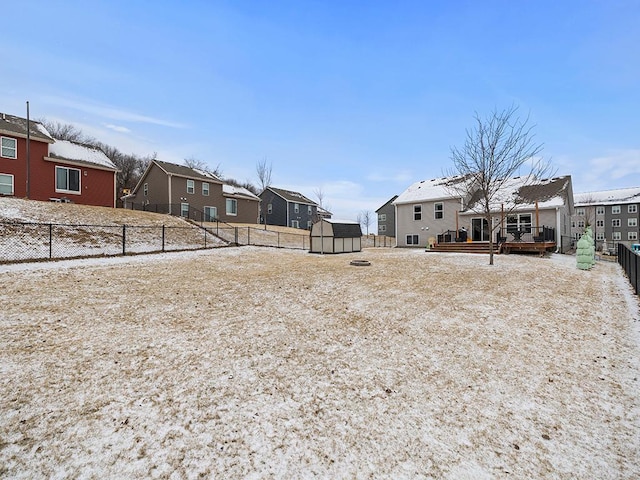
(463, 247)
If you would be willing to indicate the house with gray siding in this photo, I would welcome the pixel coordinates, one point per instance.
(387, 218)
(430, 212)
(614, 217)
(287, 208)
(191, 193)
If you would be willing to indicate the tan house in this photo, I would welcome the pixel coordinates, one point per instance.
(191, 193)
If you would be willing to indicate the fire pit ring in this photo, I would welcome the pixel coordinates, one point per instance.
(360, 263)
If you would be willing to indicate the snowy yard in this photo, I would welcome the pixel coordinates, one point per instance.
(264, 363)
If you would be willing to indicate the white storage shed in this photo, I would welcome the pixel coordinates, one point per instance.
(335, 236)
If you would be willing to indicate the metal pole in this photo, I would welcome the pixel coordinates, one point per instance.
(124, 239)
(163, 238)
(28, 153)
(50, 241)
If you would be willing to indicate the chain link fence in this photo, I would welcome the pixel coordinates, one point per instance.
(21, 242)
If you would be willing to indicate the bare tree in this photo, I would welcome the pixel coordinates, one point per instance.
(498, 148)
(365, 218)
(198, 164)
(66, 131)
(263, 170)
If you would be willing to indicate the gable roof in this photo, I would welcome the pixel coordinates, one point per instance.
(608, 197)
(523, 193)
(17, 126)
(344, 228)
(238, 192)
(428, 190)
(80, 154)
(390, 201)
(187, 172)
(291, 196)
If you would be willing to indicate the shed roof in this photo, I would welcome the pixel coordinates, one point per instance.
(344, 228)
(17, 126)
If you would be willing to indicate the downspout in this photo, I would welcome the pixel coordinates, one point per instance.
(28, 154)
(115, 189)
(169, 179)
(395, 220)
(559, 235)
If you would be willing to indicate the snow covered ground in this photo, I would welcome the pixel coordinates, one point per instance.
(265, 363)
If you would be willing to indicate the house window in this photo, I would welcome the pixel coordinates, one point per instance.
(184, 209)
(617, 236)
(417, 212)
(573, 224)
(615, 209)
(580, 212)
(309, 211)
(9, 147)
(270, 209)
(232, 206)
(632, 235)
(632, 222)
(580, 223)
(412, 239)
(522, 222)
(632, 208)
(599, 223)
(205, 189)
(382, 228)
(210, 214)
(309, 224)
(382, 217)
(599, 210)
(438, 211)
(67, 180)
(191, 186)
(145, 189)
(295, 223)
(6, 184)
(600, 236)
(296, 208)
(615, 222)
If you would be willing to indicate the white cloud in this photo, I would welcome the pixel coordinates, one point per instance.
(616, 169)
(117, 128)
(403, 177)
(110, 112)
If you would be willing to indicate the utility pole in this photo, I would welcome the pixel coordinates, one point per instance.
(28, 152)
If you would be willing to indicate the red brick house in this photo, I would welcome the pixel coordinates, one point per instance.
(56, 170)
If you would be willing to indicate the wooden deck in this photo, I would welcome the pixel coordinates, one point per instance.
(504, 247)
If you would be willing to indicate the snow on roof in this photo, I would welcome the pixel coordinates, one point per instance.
(76, 151)
(434, 189)
(608, 197)
(241, 191)
(334, 220)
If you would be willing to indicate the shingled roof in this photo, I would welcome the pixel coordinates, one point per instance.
(17, 127)
(291, 196)
(187, 172)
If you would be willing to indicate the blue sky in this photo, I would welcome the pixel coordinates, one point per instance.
(358, 99)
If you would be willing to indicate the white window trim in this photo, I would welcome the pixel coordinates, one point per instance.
(192, 187)
(615, 222)
(296, 208)
(615, 210)
(13, 180)
(233, 202)
(145, 189)
(270, 209)
(632, 235)
(617, 236)
(437, 211)
(382, 217)
(211, 209)
(599, 210)
(14, 148)
(632, 222)
(417, 210)
(633, 208)
(182, 208)
(580, 212)
(205, 189)
(295, 224)
(71, 192)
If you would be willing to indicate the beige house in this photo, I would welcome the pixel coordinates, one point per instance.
(429, 213)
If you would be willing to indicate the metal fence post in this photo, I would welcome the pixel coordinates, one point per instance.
(205, 237)
(235, 232)
(124, 239)
(278, 239)
(163, 238)
(248, 235)
(50, 241)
